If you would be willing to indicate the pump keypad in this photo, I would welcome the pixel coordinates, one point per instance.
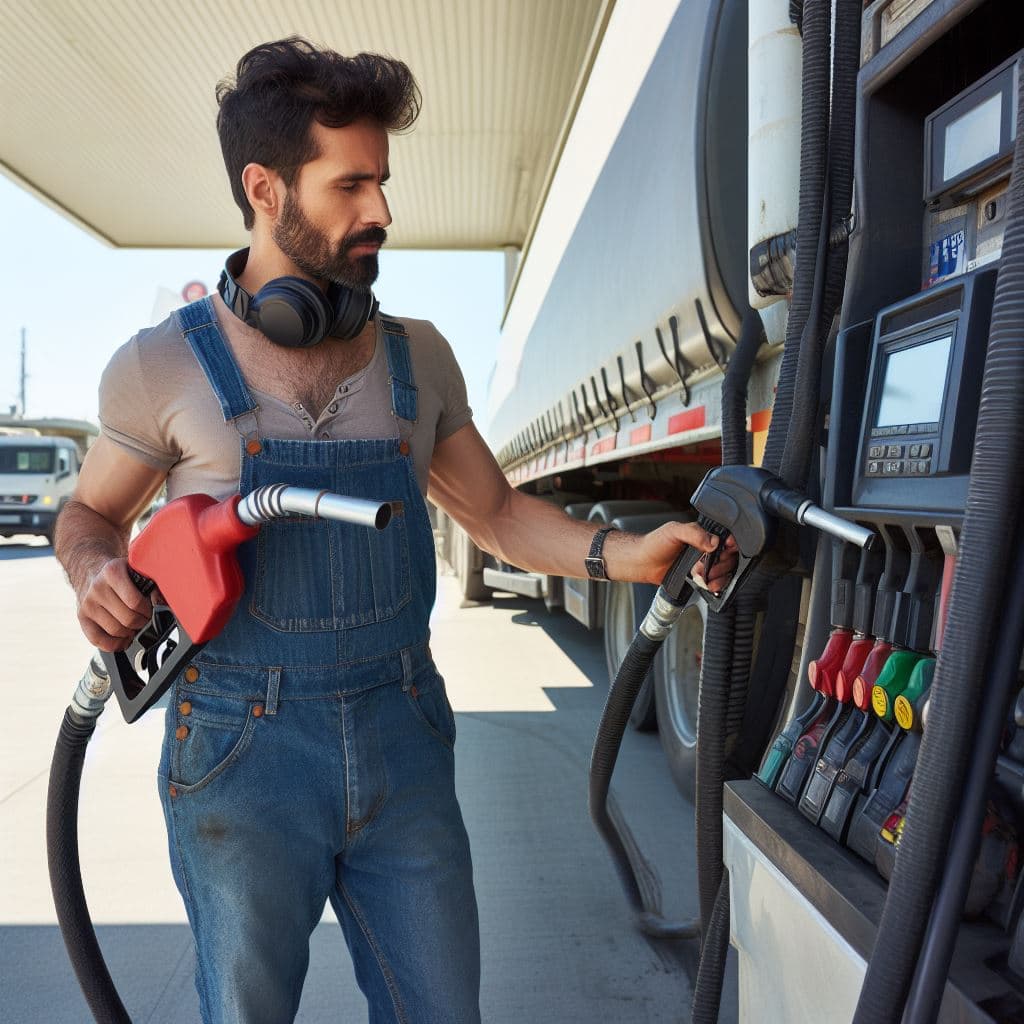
(898, 460)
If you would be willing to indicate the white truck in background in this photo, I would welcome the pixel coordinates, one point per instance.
(628, 301)
(37, 476)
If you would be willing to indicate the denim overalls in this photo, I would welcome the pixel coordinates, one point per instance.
(308, 753)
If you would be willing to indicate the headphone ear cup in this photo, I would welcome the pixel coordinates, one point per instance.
(352, 311)
(292, 312)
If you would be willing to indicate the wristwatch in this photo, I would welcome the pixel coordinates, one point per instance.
(596, 569)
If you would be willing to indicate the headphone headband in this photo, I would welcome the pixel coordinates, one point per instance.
(292, 311)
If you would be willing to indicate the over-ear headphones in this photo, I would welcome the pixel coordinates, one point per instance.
(294, 312)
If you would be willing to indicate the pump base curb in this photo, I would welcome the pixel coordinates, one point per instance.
(830, 881)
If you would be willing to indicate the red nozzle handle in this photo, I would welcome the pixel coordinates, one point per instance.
(855, 657)
(822, 671)
(868, 675)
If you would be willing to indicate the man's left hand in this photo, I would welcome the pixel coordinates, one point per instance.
(656, 552)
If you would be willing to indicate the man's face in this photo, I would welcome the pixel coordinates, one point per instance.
(333, 217)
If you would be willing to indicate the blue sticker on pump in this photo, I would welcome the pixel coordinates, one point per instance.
(947, 258)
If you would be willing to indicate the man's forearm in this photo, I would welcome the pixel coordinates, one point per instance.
(84, 541)
(539, 537)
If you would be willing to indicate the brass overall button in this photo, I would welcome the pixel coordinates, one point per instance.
(253, 447)
(173, 790)
(404, 447)
(185, 707)
(191, 674)
(181, 732)
(257, 711)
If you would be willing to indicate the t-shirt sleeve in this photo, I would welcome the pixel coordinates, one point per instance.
(128, 414)
(455, 410)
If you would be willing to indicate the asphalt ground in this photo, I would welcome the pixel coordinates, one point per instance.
(558, 945)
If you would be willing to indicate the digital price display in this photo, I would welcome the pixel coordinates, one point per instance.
(969, 140)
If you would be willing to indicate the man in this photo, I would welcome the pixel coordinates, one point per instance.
(308, 751)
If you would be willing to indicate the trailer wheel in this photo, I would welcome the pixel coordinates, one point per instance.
(470, 569)
(677, 691)
(624, 607)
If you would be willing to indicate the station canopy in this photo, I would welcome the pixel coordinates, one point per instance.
(107, 108)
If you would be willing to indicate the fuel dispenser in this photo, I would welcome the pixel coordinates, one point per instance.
(813, 838)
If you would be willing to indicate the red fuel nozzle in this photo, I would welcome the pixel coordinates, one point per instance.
(189, 549)
(822, 672)
(868, 675)
(856, 654)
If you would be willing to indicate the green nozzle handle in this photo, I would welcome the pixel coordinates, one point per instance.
(908, 705)
(892, 681)
(776, 760)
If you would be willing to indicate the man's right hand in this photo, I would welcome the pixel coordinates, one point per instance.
(91, 542)
(111, 609)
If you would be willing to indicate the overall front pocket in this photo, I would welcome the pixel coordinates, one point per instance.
(314, 575)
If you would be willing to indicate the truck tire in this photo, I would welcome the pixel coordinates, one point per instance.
(624, 608)
(677, 691)
(469, 568)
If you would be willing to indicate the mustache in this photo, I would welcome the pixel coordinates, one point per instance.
(371, 236)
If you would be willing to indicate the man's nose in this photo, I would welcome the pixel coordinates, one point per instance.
(377, 212)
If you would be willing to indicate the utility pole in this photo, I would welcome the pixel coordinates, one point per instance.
(23, 374)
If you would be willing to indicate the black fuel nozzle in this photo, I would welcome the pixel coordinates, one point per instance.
(743, 502)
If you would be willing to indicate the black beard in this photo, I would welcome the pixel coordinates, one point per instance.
(311, 251)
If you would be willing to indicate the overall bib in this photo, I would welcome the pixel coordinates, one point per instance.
(308, 753)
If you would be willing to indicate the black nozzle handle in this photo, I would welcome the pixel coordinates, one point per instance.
(678, 584)
(144, 583)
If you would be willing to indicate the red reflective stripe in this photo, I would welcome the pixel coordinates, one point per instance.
(689, 420)
(760, 420)
(640, 435)
(606, 444)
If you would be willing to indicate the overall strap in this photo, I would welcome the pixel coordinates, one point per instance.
(403, 386)
(198, 323)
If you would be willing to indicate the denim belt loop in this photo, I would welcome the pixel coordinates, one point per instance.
(407, 672)
(273, 685)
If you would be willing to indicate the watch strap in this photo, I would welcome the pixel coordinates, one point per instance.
(596, 568)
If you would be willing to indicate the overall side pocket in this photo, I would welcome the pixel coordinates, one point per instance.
(429, 701)
(210, 735)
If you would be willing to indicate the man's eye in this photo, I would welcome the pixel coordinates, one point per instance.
(348, 188)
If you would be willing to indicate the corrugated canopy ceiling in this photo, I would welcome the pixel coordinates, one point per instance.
(107, 108)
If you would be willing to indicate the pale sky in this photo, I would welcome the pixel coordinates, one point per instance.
(79, 299)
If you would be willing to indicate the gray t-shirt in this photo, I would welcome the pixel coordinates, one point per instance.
(156, 404)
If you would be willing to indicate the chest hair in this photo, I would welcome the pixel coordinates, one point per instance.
(309, 376)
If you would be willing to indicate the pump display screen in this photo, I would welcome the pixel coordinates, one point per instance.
(914, 382)
(973, 137)
(969, 140)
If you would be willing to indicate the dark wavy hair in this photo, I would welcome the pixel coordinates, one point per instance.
(280, 88)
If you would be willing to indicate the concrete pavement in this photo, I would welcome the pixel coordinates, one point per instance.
(527, 688)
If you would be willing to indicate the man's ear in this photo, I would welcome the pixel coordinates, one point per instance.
(260, 184)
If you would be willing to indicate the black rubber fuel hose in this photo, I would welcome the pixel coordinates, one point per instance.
(66, 871)
(729, 642)
(1002, 682)
(991, 523)
(626, 856)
